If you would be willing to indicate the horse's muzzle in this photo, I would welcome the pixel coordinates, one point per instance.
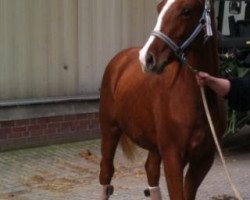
(150, 62)
(152, 65)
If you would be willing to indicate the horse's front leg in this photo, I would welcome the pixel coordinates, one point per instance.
(110, 139)
(173, 168)
(152, 167)
(197, 170)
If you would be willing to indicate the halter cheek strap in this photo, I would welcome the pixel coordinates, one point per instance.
(204, 23)
(209, 31)
(177, 50)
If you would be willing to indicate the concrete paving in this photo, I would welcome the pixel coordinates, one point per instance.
(70, 171)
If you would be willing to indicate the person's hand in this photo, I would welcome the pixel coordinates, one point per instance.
(220, 85)
(203, 78)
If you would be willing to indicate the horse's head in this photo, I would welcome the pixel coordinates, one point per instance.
(179, 23)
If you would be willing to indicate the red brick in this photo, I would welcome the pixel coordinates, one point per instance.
(56, 119)
(18, 142)
(67, 124)
(36, 132)
(6, 124)
(50, 131)
(62, 131)
(94, 123)
(92, 116)
(22, 122)
(54, 125)
(44, 120)
(37, 139)
(32, 121)
(15, 135)
(19, 129)
(67, 130)
(96, 115)
(70, 117)
(85, 116)
(35, 127)
(54, 136)
(71, 124)
(3, 135)
(5, 130)
(25, 134)
(83, 121)
(83, 124)
(80, 116)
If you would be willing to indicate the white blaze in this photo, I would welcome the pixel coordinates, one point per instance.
(144, 50)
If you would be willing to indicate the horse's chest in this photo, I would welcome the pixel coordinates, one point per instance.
(183, 111)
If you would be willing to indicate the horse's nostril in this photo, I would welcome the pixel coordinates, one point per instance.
(150, 61)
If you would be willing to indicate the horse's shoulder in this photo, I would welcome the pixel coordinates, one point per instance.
(121, 62)
(118, 65)
(123, 57)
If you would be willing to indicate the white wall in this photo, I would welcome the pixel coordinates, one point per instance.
(61, 47)
(38, 38)
(105, 27)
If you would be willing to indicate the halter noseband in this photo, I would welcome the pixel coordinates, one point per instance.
(204, 23)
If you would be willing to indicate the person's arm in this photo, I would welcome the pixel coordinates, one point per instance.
(236, 90)
(219, 85)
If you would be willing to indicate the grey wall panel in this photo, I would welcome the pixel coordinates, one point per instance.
(106, 27)
(61, 47)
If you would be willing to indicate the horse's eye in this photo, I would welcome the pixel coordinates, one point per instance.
(186, 12)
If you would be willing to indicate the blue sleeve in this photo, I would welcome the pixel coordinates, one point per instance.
(239, 94)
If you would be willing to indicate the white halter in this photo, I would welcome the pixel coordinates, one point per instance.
(204, 23)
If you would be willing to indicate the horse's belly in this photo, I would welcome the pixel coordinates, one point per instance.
(139, 128)
(143, 139)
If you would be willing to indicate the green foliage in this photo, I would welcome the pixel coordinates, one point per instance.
(231, 67)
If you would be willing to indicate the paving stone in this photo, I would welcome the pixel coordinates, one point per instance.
(67, 172)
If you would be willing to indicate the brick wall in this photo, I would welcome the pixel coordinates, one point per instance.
(48, 130)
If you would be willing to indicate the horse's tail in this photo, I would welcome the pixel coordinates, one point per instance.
(128, 147)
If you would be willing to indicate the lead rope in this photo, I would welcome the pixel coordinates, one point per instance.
(204, 100)
(216, 141)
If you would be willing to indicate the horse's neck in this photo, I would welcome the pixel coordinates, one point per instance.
(207, 54)
(205, 58)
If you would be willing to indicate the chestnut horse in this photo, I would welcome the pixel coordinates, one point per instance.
(162, 111)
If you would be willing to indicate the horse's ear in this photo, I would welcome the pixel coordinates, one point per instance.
(160, 5)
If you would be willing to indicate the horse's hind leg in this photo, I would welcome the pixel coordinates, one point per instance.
(110, 139)
(197, 170)
(152, 168)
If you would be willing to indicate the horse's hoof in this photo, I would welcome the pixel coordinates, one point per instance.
(147, 193)
(110, 190)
